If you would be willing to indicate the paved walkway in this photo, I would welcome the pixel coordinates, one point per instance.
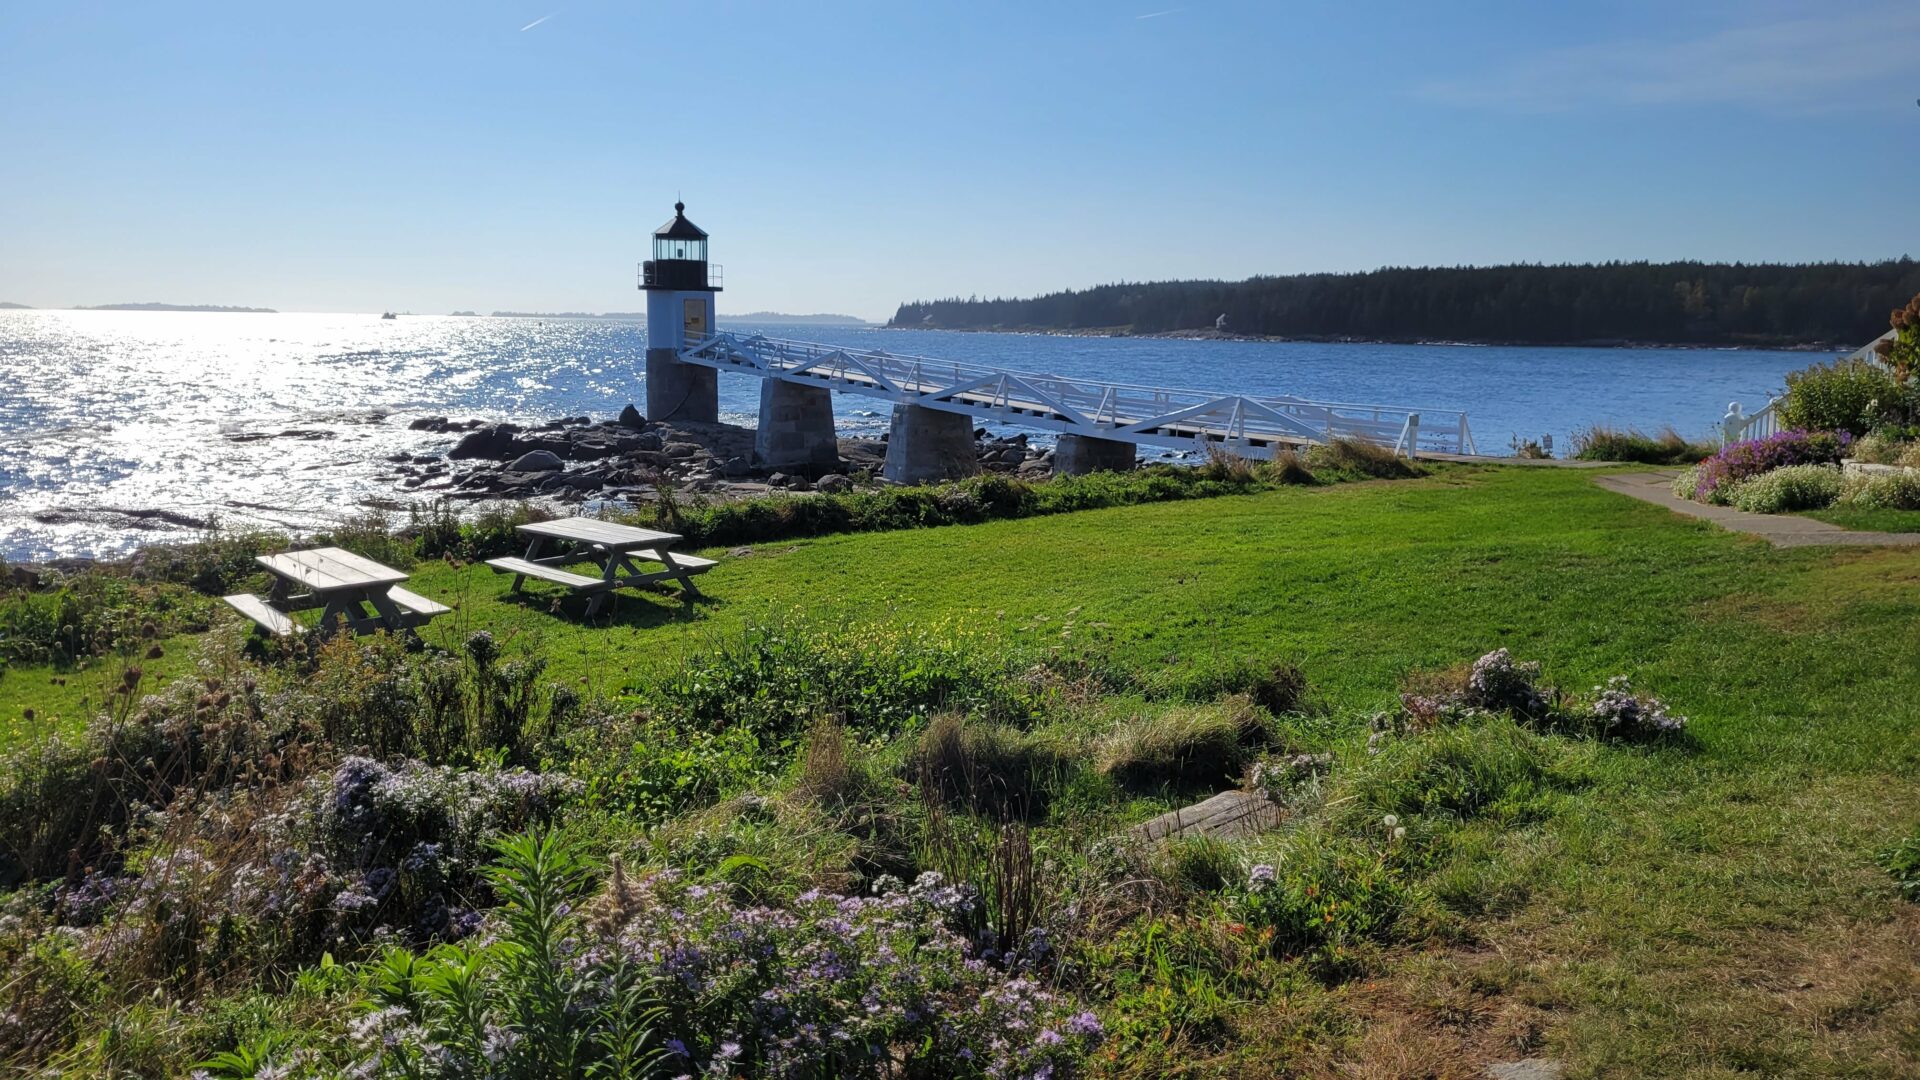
(1780, 530)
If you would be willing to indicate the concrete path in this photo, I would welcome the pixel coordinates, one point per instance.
(1780, 530)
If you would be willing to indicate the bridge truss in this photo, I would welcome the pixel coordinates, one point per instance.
(1253, 427)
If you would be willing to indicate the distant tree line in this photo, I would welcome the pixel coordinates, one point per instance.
(1667, 303)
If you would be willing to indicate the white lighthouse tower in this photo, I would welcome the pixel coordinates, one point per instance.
(680, 285)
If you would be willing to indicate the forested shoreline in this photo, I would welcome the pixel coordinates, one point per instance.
(1678, 303)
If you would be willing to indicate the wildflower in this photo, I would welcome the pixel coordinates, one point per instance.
(1260, 877)
(1391, 821)
(1400, 833)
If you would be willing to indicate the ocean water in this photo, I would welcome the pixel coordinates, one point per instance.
(287, 420)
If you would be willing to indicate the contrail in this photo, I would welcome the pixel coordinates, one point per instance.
(538, 21)
(1157, 14)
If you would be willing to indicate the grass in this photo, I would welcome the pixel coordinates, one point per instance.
(1862, 519)
(1601, 443)
(1708, 909)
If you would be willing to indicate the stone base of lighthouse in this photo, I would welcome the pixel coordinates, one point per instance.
(926, 445)
(1075, 455)
(796, 428)
(681, 391)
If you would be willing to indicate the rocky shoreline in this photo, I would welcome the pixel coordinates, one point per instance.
(577, 459)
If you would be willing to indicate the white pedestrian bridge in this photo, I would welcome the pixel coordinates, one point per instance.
(1253, 427)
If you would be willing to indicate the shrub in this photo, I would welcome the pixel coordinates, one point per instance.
(1325, 894)
(1618, 712)
(1687, 482)
(1602, 443)
(1793, 487)
(1902, 861)
(1462, 771)
(1836, 396)
(1887, 491)
(1738, 461)
(1185, 745)
(1357, 457)
(879, 679)
(1228, 466)
(989, 768)
(1499, 683)
(1286, 467)
(829, 986)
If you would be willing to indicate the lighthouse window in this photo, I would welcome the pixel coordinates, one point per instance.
(695, 250)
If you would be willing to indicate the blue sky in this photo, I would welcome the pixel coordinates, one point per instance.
(847, 156)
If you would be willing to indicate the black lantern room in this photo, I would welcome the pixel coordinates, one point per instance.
(679, 257)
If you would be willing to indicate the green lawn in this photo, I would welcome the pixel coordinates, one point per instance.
(1851, 517)
(1703, 910)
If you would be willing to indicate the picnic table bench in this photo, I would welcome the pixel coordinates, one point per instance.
(613, 547)
(344, 585)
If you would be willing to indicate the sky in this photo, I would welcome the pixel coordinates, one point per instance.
(846, 157)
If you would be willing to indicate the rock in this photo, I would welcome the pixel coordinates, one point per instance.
(428, 423)
(680, 449)
(591, 449)
(736, 467)
(799, 483)
(779, 479)
(1527, 1069)
(495, 441)
(537, 461)
(834, 483)
(630, 417)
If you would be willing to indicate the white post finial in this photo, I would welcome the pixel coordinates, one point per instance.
(1732, 424)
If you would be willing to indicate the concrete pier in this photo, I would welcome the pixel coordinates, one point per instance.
(796, 428)
(677, 391)
(925, 445)
(1078, 454)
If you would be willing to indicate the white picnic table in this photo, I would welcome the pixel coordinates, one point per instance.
(613, 547)
(354, 592)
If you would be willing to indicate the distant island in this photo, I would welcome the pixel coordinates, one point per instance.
(466, 314)
(796, 320)
(175, 307)
(21, 307)
(1617, 303)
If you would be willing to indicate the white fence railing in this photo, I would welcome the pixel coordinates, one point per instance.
(1250, 426)
(1738, 425)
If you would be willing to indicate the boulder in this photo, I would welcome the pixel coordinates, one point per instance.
(834, 483)
(495, 442)
(537, 461)
(428, 423)
(681, 449)
(736, 467)
(630, 417)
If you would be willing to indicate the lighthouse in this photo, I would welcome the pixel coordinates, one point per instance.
(680, 285)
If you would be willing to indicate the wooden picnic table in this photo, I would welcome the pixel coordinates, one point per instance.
(613, 547)
(344, 585)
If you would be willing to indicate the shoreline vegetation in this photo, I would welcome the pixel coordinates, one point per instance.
(1682, 304)
(892, 832)
(1332, 339)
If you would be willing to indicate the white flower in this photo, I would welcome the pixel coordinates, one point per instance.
(1391, 821)
(1400, 832)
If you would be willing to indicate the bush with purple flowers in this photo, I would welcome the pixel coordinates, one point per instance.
(829, 985)
(1751, 457)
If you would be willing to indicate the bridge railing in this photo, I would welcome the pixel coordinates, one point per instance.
(1145, 414)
